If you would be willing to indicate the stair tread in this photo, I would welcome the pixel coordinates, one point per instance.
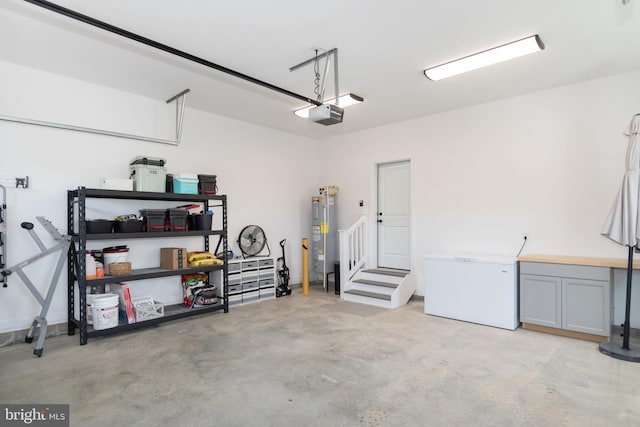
(398, 273)
(375, 283)
(368, 294)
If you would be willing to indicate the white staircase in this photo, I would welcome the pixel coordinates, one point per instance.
(387, 288)
(380, 287)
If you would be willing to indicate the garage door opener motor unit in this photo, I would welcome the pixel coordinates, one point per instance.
(148, 174)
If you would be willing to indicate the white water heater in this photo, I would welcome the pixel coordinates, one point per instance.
(324, 234)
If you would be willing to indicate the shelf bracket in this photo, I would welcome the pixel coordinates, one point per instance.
(181, 100)
(180, 107)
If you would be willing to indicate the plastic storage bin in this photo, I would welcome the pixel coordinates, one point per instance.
(184, 183)
(146, 308)
(207, 184)
(201, 221)
(129, 226)
(148, 174)
(177, 219)
(100, 226)
(154, 219)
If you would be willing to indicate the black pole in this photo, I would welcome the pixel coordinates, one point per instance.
(626, 327)
(140, 39)
(610, 348)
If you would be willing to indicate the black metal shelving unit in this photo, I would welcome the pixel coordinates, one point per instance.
(76, 266)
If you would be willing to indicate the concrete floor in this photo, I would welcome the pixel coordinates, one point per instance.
(318, 361)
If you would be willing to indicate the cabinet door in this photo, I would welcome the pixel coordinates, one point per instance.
(541, 300)
(586, 306)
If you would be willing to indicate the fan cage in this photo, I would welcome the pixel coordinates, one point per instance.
(252, 241)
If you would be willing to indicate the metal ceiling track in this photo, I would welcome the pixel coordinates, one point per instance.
(152, 43)
(180, 99)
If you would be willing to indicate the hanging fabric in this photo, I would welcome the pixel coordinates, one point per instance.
(621, 226)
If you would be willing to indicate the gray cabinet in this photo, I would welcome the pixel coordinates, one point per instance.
(585, 306)
(541, 300)
(568, 297)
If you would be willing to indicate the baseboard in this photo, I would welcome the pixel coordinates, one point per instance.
(15, 337)
(565, 333)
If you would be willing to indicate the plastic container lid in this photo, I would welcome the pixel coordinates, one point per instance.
(144, 160)
(190, 176)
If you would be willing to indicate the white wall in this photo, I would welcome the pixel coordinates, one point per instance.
(262, 171)
(547, 164)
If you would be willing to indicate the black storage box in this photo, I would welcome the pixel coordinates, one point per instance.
(200, 221)
(207, 184)
(154, 219)
(129, 226)
(177, 219)
(99, 226)
(169, 187)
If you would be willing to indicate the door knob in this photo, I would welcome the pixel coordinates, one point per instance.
(379, 220)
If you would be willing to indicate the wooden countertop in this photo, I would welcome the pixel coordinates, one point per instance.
(580, 260)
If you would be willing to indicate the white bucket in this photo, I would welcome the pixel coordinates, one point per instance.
(104, 308)
(111, 257)
(90, 298)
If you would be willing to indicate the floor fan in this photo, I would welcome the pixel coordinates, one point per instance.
(252, 241)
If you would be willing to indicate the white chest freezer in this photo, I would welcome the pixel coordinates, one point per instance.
(478, 289)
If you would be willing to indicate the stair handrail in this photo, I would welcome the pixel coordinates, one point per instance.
(352, 250)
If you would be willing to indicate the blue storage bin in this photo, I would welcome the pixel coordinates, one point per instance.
(184, 183)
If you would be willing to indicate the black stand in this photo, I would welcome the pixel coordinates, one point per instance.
(612, 349)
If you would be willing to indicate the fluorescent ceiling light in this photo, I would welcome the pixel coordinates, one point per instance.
(488, 57)
(345, 101)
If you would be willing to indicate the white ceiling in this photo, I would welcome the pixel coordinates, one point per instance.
(383, 48)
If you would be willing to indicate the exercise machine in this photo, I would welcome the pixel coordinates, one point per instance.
(64, 242)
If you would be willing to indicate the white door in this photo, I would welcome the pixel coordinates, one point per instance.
(394, 181)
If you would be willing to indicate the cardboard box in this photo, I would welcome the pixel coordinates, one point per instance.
(173, 258)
